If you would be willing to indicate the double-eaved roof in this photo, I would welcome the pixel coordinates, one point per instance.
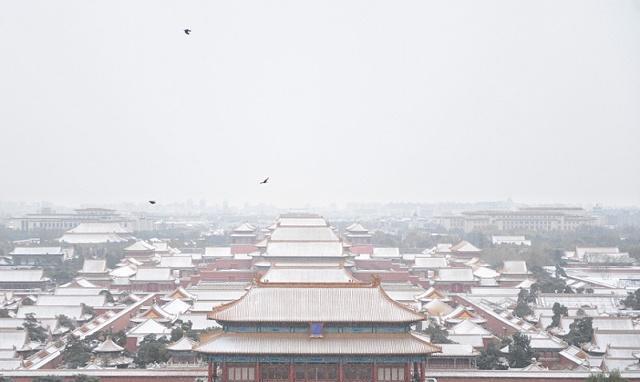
(304, 249)
(330, 344)
(307, 275)
(345, 303)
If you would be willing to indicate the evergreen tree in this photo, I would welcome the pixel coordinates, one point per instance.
(437, 334)
(613, 376)
(559, 311)
(66, 322)
(77, 353)
(632, 301)
(580, 331)
(34, 330)
(523, 309)
(490, 358)
(520, 351)
(151, 350)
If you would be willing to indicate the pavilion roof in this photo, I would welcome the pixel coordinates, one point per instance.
(357, 227)
(326, 302)
(108, 346)
(183, 344)
(328, 344)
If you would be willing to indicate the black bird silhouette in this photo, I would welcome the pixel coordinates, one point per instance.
(265, 181)
(152, 202)
(187, 31)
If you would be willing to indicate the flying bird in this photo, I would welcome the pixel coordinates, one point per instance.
(152, 202)
(265, 181)
(187, 31)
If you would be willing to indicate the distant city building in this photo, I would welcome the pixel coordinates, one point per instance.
(49, 220)
(523, 219)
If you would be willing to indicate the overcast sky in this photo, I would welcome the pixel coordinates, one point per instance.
(335, 100)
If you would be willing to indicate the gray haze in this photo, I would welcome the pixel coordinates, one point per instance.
(336, 100)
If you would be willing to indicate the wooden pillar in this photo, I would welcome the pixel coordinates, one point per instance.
(210, 372)
(340, 372)
(415, 372)
(421, 372)
(258, 372)
(225, 374)
(406, 372)
(374, 371)
(292, 373)
(215, 371)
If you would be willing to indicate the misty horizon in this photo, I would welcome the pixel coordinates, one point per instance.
(361, 101)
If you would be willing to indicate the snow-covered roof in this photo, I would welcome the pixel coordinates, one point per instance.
(18, 251)
(21, 275)
(469, 327)
(437, 308)
(455, 274)
(90, 228)
(357, 227)
(465, 247)
(108, 346)
(124, 271)
(514, 267)
(147, 327)
(307, 275)
(140, 246)
(485, 273)
(430, 262)
(389, 253)
(94, 266)
(183, 344)
(153, 274)
(217, 252)
(176, 261)
(176, 307)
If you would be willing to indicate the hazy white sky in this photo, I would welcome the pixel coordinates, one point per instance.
(336, 100)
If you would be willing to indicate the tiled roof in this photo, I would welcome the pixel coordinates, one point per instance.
(304, 249)
(84, 228)
(357, 227)
(140, 246)
(329, 344)
(515, 267)
(37, 251)
(108, 346)
(153, 274)
(315, 302)
(94, 266)
(183, 344)
(303, 234)
(21, 275)
(302, 222)
(455, 274)
(176, 307)
(386, 252)
(465, 246)
(307, 275)
(149, 327)
(177, 261)
(430, 262)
